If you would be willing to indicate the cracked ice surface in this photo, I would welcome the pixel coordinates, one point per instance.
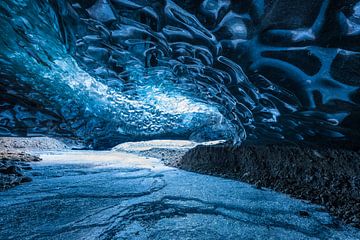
(116, 195)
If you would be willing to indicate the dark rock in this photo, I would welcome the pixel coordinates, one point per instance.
(10, 170)
(25, 179)
(323, 174)
(258, 184)
(12, 166)
(303, 213)
(26, 167)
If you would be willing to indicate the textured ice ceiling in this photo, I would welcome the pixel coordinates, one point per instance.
(115, 70)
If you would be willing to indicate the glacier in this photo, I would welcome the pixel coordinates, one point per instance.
(106, 71)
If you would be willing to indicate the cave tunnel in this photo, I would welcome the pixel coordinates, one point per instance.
(104, 72)
(179, 119)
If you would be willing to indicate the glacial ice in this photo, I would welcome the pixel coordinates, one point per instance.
(107, 71)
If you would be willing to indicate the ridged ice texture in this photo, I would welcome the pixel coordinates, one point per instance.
(113, 70)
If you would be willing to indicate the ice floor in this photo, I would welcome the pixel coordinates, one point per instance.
(116, 195)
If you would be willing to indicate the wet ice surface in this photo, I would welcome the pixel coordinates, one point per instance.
(116, 195)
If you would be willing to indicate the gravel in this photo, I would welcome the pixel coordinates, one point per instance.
(13, 166)
(16, 154)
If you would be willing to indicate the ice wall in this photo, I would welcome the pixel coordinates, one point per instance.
(112, 70)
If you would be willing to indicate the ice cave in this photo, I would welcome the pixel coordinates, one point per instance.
(179, 119)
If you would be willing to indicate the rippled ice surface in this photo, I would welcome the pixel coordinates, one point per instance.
(110, 71)
(115, 195)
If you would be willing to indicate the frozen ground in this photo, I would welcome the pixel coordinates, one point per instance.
(118, 195)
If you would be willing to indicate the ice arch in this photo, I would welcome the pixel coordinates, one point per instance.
(107, 71)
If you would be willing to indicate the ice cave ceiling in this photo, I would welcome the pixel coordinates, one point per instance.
(107, 71)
